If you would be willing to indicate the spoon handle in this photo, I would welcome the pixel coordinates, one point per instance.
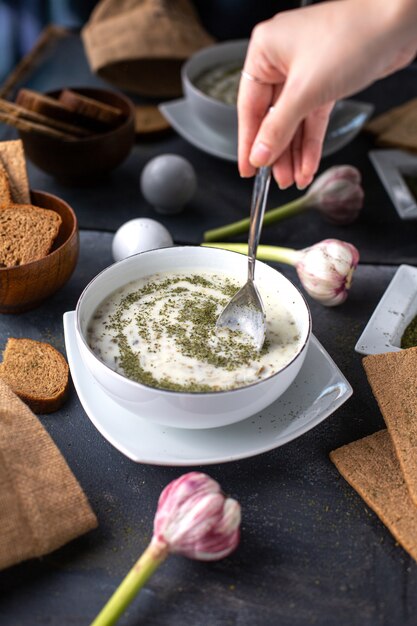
(259, 195)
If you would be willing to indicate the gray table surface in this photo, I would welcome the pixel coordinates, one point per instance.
(311, 550)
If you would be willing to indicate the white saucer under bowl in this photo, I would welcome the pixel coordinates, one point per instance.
(392, 315)
(319, 389)
(347, 119)
(184, 121)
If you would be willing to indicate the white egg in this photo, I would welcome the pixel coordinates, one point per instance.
(168, 182)
(139, 235)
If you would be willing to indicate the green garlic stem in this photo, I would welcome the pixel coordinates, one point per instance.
(264, 253)
(242, 226)
(143, 569)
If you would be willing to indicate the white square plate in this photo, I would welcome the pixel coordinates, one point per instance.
(391, 165)
(394, 312)
(319, 389)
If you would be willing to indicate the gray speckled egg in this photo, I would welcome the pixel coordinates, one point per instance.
(168, 182)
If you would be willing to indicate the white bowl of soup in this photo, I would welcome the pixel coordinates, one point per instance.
(210, 80)
(146, 331)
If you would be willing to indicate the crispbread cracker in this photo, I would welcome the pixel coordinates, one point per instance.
(403, 132)
(381, 123)
(371, 467)
(12, 158)
(393, 380)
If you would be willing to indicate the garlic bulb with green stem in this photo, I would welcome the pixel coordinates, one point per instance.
(337, 194)
(325, 269)
(193, 518)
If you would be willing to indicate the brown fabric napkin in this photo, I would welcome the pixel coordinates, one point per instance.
(140, 45)
(42, 506)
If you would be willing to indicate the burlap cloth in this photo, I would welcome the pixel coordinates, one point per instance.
(140, 45)
(42, 506)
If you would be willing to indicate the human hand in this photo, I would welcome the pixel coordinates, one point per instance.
(303, 60)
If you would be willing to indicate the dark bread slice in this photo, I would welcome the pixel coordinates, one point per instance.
(22, 113)
(102, 112)
(12, 157)
(45, 105)
(53, 108)
(27, 233)
(5, 191)
(33, 127)
(36, 372)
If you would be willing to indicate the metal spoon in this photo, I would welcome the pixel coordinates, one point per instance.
(245, 311)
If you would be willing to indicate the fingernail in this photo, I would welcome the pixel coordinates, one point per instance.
(308, 177)
(307, 181)
(301, 187)
(260, 154)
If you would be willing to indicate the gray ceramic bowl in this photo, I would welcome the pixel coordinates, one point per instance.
(218, 116)
(346, 120)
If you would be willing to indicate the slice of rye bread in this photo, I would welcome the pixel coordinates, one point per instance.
(12, 157)
(20, 112)
(371, 467)
(5, 191)
(27, 233)
(393, 380)
(91, 108)
(51, 107)
(36, 372)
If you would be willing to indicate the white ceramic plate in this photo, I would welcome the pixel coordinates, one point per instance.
(185, 122)
(319, 389)
(391, 165)
(394, 312)
(347, 119)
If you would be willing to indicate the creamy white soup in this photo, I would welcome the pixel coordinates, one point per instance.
(220, 82)
(161, 331)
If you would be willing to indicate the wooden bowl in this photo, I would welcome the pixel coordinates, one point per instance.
(85, 160)
(25, 286)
